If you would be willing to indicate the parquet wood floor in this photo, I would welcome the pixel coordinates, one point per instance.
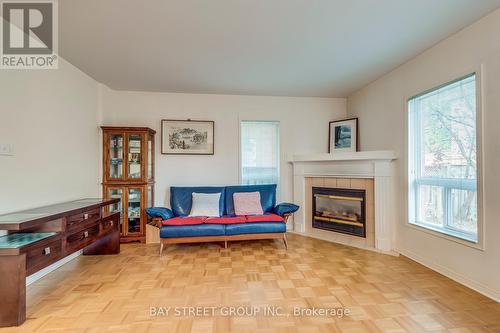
(382, 293)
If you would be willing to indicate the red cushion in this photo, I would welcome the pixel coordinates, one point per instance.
(265, 218)
(226, 220)
(184, 221)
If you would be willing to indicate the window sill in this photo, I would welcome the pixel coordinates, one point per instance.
(437, 233)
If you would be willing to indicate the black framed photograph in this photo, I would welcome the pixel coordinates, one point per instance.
(343, 136)
(187, 137)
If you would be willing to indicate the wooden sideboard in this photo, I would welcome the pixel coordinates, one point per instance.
(39, 237)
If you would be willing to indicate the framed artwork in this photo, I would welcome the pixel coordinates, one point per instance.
(187, 137)
(343, 136)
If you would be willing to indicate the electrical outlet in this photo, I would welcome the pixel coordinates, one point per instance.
(7, 149)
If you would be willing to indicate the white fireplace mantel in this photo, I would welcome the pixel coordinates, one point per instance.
(379, 155)
(368, 164)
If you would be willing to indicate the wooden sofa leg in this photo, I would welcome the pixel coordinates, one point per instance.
(285, 242)
(161, 247)
(225, 244)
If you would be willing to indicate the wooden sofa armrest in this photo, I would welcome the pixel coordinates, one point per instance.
(286, 216)
(157, 221)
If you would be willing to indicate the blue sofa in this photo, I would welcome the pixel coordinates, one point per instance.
(176, 227)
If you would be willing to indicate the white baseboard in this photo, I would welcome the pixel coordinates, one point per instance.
(391, 253)
(469, 283)
(41, 273)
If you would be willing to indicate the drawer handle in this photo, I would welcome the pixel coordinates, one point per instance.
(46, 251)
(85, 234)
(86, 216)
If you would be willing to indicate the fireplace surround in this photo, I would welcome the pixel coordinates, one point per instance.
(369, 170)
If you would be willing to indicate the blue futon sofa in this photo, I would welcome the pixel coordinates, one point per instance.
(177, 227)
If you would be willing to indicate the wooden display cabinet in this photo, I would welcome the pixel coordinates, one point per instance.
(128, 174)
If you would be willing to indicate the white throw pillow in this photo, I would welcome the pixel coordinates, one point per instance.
(205, 204)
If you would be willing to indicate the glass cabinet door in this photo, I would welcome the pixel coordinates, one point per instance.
(134, 210)
(150, 196)
(117, 207)
(150, 157)
(115, 156)
(134, 156)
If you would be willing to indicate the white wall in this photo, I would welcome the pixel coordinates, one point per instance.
(303, 128)
(51, 117)
(381, 107)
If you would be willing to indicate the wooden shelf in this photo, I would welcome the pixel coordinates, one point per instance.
(33, 217)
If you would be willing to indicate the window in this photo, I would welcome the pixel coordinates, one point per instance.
(260, 152)
(442, 159)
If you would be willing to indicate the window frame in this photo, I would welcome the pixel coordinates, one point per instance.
(413, 161)
(240, 159)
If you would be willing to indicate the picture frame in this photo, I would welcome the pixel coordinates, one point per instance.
(343, 135)
(187, 137)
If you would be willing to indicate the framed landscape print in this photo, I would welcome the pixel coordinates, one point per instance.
(187, 137)
(343, 136)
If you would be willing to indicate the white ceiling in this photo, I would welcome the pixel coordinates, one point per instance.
(254, 47)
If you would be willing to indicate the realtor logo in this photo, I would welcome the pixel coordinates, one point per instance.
(29, 35)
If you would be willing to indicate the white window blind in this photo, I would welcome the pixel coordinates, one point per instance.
(260, 154)
(442, 159)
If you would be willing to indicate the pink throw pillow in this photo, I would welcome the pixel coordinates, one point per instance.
(247, 203)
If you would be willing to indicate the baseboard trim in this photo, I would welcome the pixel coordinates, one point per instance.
(469, 283)
(391, 253)
(41, 273)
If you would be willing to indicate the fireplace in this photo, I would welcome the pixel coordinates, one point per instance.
(340, 210)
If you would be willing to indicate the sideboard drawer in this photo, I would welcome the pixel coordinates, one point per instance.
(80, 239)
(42, 256)
(82, 220)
